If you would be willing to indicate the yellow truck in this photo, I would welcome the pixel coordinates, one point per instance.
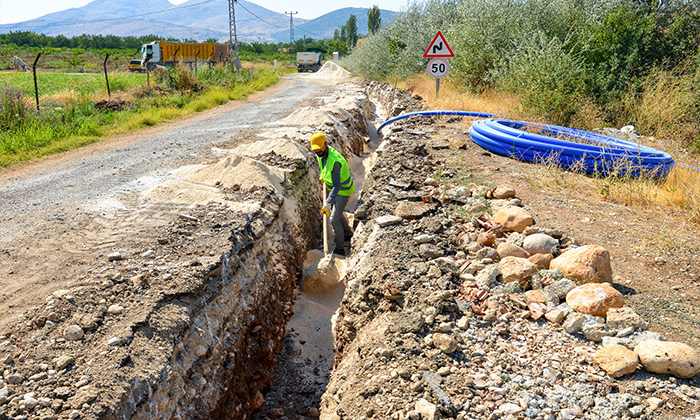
(163, 53)
(135, 66)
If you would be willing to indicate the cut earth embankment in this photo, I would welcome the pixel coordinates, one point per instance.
(188, 323)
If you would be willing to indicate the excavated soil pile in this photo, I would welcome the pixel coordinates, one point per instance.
(187, 320)
(428, 328)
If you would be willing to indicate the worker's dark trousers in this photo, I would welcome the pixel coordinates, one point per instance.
(341, 228)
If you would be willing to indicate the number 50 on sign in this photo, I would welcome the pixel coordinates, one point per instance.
(438, 68)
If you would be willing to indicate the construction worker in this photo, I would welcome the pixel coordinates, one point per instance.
(336, 175)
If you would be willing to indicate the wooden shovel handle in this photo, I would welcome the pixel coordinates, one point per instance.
(325, 221)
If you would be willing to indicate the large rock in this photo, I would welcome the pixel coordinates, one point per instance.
(596, 331)
(388, 220)
(512, 218)
(445, 343)
(430, 251)
(510, 250)
(587, 264)
(594, 299)
(561, 288)
(517, 269)
(541, 296)
(573, 323)
(669, 357)
(486, 239)
(541, 260)
(539, 243)
(73, 333)
(625, 317)
(556, 316)
(617, 360)
(427, 410)
(410, 210)
(633, 340)
(489, 277)
(503, 191)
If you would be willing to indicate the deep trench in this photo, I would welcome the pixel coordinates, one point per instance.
(289, 359)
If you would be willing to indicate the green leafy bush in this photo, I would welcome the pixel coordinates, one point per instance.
(565, 59)
(550, 77)
(13, 107)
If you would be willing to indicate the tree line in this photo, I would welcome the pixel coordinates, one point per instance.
(566, 59)
(343, 40)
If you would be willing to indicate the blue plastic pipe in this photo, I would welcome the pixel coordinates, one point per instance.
(591, 152)
(410, 114)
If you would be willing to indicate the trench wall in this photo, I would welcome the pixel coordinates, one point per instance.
(225, 353)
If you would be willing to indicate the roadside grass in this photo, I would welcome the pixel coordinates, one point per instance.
(75, 85)
(69, 119)
(453, 98)
(666, 107)
(667, 313)
(678, 192)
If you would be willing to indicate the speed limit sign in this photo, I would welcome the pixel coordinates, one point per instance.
(438, 68)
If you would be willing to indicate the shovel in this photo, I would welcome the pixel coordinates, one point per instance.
(323, 274)
(325, 221)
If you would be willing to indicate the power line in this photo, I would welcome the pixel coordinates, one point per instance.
(109, 19)
(259, 18)
(277, 26)
(310, 33)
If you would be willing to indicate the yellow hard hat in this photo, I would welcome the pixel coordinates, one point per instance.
(318, 141)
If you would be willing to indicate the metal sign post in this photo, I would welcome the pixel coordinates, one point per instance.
(438, 67)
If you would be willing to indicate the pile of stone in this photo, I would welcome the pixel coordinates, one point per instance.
(477, 313)
(569, 285)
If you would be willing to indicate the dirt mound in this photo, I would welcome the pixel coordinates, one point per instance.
(308, 116)
(333, 71)
(115, 104)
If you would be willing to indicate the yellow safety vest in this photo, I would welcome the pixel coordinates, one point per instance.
(347, 186)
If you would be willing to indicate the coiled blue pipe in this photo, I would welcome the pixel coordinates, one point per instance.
(592, 153)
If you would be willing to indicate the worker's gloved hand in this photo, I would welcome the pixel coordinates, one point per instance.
(326, 210)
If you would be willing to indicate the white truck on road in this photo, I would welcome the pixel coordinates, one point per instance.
(309, 61)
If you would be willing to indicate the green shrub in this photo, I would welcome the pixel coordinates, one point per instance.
(550, 78)
(13, 107)
(565, 59)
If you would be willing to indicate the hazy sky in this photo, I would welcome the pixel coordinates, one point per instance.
(12, 11)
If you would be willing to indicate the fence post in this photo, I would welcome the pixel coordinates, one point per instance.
(196, 57)
(36, 85)
(109, 94)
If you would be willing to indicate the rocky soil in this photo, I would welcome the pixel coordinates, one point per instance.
(170, 301)
(437, 322)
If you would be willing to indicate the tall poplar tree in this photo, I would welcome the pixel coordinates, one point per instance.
(374, 20)
(351, 31)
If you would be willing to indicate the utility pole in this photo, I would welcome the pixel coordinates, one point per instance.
(232, 35)
(291, 32)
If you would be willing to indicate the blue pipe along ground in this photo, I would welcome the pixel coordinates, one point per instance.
(589, 152)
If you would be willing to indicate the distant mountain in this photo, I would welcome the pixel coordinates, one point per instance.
(188, 20)
(324, 26)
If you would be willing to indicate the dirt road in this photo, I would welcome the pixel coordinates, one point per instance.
(57, 214)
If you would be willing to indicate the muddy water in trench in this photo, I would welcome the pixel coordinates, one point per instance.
(307, 357)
